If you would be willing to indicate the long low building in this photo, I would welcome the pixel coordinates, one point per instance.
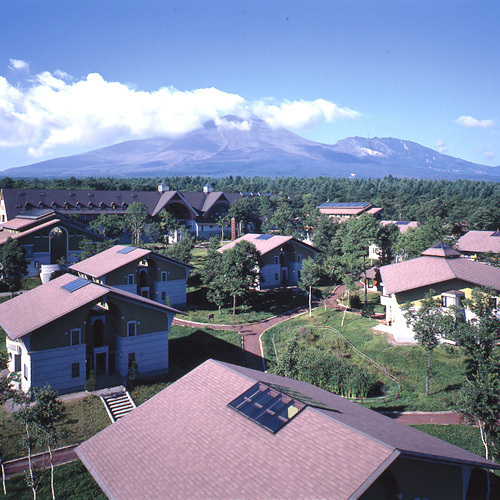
(197, 211)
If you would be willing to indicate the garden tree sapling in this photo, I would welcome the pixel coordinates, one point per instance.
(47, 412)
(135, 221)
(429, 323)
(310, 276)
(14, 264)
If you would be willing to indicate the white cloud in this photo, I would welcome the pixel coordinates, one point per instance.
(54, 110)
(469, 122)
(300, 114)
(441, 146)
(489, 155)
(18, 65)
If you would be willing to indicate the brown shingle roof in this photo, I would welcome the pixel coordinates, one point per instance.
(185, 442)
(44, 304)
(265, 245)
(479, 242)
(426, 271)
(104, 262)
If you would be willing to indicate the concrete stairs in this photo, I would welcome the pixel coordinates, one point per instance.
(118, 404)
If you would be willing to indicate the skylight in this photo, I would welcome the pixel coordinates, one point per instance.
(264, 237)
(126, 249)
(344, 205)
(266, 406)
(75, 285)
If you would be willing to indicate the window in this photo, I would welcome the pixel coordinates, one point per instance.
(164, 275)
(131, 328)
(299, 257)
(163, 297)
(299, 274)
(131, 358)
(276, 259)
(130, 279)
(493, 302)
(28, 251)
(76, 336)
(276, 277)
(75, 370)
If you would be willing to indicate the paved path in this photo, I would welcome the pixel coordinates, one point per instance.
(417, 417)
(60, 456)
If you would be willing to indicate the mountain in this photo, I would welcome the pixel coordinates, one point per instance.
(253, 148)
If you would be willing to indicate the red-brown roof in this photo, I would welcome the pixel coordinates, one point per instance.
(186, 443)
(265, 243)
(429, 270)
(479, 242)
(44, 304)
(113, 258)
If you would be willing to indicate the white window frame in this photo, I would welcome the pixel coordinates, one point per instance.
(164, 276)
(129, 323)
(299, 257)
(72, 374)
(131, 278)
(276, 259)
(75, 330)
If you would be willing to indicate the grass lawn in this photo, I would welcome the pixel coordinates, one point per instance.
(464, 436)
(72, 481)
(261, 305)
(85, 417)
(407, 363)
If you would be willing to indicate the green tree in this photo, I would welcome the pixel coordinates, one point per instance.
(415, 240)
(310, 276)
(108, 225)
(357, 234)
(14, 264)
(289, 363)
(387, 238)
(168, 224)
(429, 323)
(135, 222)
(181, 250)
(480, 397)
(46, 413)
(221, 222)
(241, 266)
(25, 416)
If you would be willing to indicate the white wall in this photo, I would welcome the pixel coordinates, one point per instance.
(176, 289)
(151, 353)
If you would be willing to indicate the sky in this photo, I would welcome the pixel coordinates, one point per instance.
(76, 75)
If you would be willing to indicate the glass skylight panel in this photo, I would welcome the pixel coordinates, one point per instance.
(264, 237)
(74, 285)
(266, 406)
(126, 250)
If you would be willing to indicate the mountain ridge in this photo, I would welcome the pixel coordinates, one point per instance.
(253, 148)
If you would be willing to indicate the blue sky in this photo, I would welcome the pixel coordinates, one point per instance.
(76, 75)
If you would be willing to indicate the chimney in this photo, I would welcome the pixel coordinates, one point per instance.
(233, 228)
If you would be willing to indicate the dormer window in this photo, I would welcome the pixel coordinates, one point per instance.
(79, 205)
(113, 206)
(90, 205)
(124, 205)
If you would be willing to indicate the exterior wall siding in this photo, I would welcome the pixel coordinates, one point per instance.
(293, 272)
(127, 288)
(268, 272)
(175, 289)
(54, 367)
(151, 353)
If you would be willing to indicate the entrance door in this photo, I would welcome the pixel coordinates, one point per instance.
(58, 245)
(98, 333)
(145, 292)
(284, 275)
(101, 361)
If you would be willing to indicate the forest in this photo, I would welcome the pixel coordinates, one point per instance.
(471, 204)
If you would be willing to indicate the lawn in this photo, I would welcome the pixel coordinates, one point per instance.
(72, 481)
(260, 306)
(406, 363)
(464, 436)
(85, 417)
